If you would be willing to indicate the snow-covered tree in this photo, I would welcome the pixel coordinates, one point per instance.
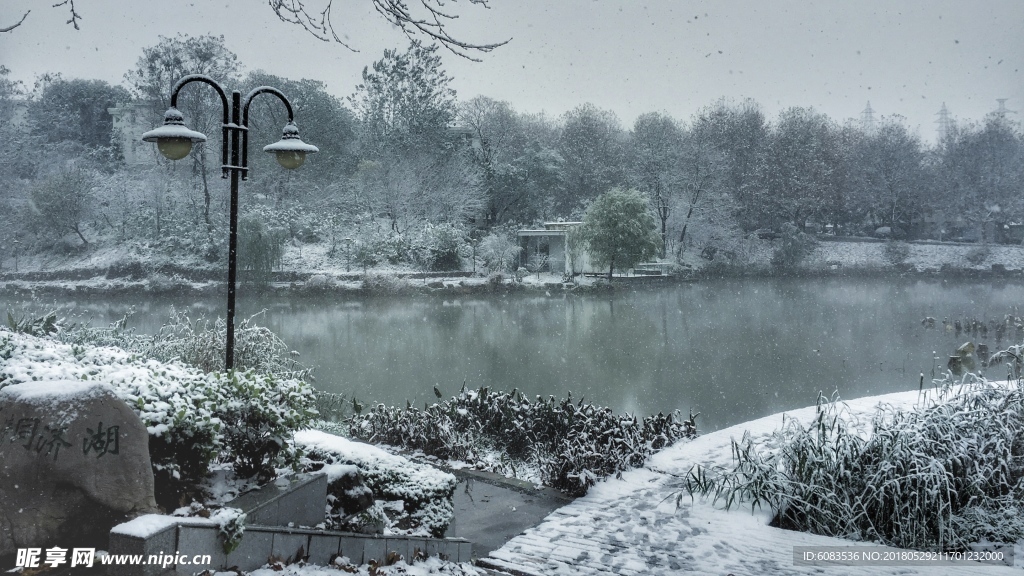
(620, 230)
(592, 146)
(155, 74)
(655, 149)
(62, 201)
(75, 110)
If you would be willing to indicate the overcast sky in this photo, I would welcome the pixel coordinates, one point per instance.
(631, 57)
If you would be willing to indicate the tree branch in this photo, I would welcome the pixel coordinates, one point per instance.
(16, 24)
(75, 17)
(433, 22)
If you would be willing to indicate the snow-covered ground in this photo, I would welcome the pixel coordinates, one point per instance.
(631, 526)
(311, 266)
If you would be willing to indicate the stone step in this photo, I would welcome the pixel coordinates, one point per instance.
(198, 544)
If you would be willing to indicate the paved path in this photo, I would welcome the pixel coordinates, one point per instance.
(490, 510)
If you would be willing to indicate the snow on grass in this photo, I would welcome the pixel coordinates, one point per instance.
(632, 524)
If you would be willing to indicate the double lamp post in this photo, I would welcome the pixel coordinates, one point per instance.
(174, 140)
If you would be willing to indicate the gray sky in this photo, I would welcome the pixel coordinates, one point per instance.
(906, 57)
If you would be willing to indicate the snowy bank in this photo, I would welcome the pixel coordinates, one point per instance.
(632, 526)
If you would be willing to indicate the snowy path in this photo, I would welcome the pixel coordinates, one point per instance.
(630, 526)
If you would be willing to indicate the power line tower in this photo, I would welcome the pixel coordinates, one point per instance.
(1002, 110)
(867, 118)
(945, 122)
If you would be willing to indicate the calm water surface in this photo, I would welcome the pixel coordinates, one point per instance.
(731, 350)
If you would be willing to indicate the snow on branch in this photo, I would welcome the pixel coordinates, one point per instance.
(75, 17)
(429, 20)
(16, 24)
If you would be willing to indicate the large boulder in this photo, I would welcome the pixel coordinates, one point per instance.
(74, 461)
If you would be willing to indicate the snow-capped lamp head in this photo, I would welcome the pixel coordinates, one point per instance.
(174, 139)
(290, 149)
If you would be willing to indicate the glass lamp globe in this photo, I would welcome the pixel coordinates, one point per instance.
(174, 140)
(290, 150)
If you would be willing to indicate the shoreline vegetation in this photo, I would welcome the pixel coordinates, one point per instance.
(843, 257)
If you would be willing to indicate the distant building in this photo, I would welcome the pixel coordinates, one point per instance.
(547, 248)
(130, 121)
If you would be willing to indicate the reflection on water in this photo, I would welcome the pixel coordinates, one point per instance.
(732, 350)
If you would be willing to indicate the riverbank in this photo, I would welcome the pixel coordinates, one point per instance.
(112, 271)
(633, 526)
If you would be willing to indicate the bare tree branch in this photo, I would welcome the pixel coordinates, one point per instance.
(16, 24)
(75, 17)
(430, 21)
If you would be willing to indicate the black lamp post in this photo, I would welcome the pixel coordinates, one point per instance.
(348, 253)
(174, 140)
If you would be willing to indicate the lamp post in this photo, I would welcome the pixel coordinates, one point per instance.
(348, 253)
(17, 245)
(474, 242)
(174, 140)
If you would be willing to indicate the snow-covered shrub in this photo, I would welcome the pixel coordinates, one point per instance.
(896, 252)
(231, 527)
(38, 326)
(392, 248)
(425, 492)
(259, 413)
(499, 251)
(201, 343)
(375, 283)
(942, 476)
(186, 411)
(978, 254)
(793, 246)
(440, 246)
(574, 444)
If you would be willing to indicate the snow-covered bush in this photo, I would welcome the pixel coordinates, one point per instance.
(499, 251)
(793, 246)
(375, 283)
(192, 417)
(896, 252)
(440, 246)
(573, 444)
(259, 414)
(942, 476)
(197, 342)
(978, 254)
(425, 492)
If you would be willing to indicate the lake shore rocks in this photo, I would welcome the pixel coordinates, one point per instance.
(74, 461)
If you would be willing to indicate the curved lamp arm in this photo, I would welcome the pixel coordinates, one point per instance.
(291, 151)
(247, 101)
(223, 99)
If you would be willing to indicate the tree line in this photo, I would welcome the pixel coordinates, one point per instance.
(409, 173)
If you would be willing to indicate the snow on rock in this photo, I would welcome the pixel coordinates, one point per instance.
(43, 393)
(149, 524)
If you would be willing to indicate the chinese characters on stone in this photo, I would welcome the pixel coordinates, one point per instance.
(46, 440)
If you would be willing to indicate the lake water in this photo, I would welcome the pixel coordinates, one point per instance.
(731, 350)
